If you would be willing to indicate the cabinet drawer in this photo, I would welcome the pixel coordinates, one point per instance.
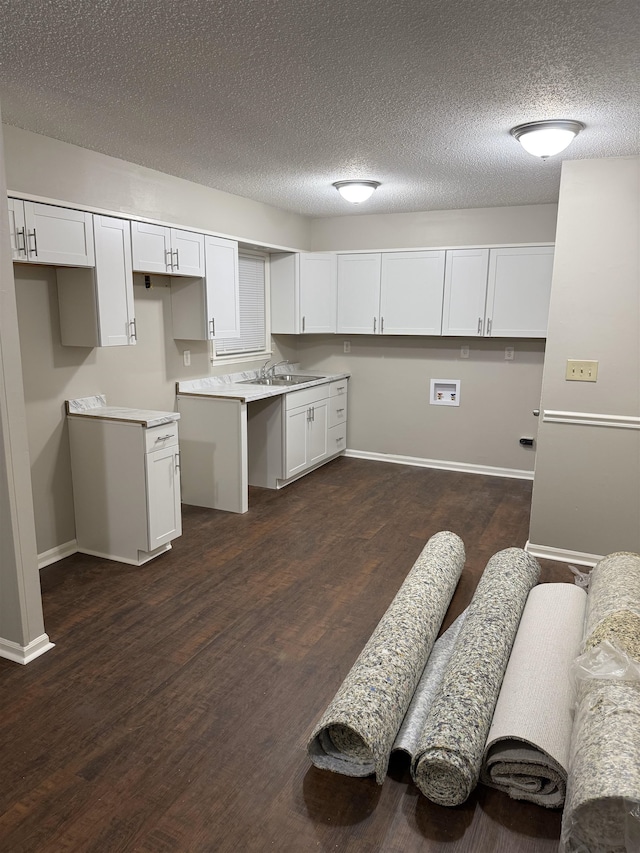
(339, 387)
(306, 396)
(337, 439)
(337, 410)
(158, 437)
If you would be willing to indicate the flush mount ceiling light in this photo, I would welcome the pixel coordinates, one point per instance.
(356, 191)
(546, 138)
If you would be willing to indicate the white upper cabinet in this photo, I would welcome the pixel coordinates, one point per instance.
(96, 305)
(159, 249)
(465, 292)
(518, 292)
(207, 308)
(391, 293)
(303, 293)
(46, 234)
(359, 293)
(411, 291)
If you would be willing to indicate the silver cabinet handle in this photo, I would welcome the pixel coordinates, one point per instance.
(35, 243)
(22, 232)
(479, 325)
(133, 334)
(382, 325)
(212, 327)
(489, 326)
(303, 322)
(339, 410)
(313, 413)
(375, 320)
(168, 258)
(164, 437)
(340, 388)
(177, 458)
(177, 261)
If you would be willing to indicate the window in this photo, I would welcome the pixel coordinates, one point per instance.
(251, 269)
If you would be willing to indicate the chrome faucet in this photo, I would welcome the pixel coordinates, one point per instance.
(271, 371)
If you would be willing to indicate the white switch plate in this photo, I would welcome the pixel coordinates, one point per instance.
(464, 352)
(508, 353)
(186, 357)
(347, 346)
(581, 371)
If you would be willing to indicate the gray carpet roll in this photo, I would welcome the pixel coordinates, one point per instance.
(602, 810)
(355, 734)
(527, 750)
(447, 763)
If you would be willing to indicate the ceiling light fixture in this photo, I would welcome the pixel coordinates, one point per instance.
(356, 191)
(546, 138)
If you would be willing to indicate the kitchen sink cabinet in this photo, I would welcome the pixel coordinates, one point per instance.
(47, 234)
(160, 249)
(96, 304)
(126, 488)
(303, 293)
(207, 308)
(306, 430)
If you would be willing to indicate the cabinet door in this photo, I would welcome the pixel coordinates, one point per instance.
(465, 289)
(318, 292)
(151, 247)
(222, 288)
(164, 520)
(296, 440)
(17, 230)
(187, 253)
(114, 282)
(317, 448)
(411, 292)
(359, 293)
(519, 291)
(59, 236)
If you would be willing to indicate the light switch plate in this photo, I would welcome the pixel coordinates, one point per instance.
(582, 371)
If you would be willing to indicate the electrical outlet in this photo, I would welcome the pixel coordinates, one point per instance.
(347, 346)
(186, 357)
(581, 371)
(509, 353)
(464, 352)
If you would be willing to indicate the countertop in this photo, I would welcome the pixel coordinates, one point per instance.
(96, 407)
(228, 387)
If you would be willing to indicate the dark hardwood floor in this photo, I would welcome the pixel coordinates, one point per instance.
(174, 711)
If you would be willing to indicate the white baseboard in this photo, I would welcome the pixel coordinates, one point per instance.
(57, 553)
(464, 467)
(25, 654)
(561, 555)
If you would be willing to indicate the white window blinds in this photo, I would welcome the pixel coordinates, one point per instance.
(252, 309)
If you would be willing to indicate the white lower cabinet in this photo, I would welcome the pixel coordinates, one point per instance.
(314, 427)
(126, 488)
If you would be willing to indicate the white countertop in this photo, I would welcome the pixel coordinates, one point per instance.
(96, 407)
(229, 387)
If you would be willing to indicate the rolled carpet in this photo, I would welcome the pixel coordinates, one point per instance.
(602, 810)
(355, 734)
(446, 767)
(527, 749)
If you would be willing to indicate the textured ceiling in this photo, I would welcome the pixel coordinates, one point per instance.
(276, 99)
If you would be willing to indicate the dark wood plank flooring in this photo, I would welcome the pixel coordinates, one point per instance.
(174, 711)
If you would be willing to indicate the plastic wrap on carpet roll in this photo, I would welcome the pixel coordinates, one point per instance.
(527, 749)
(355, 734)
(447, 763)
(602, 809)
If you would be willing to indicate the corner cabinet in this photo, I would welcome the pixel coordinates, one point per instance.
(501, 292)
(391, 293)
(160, 249)
(126, 488)
(209, 308)
(96, 305)
(303, 293)
(47, 234)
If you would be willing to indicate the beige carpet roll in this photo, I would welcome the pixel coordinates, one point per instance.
(446, 766)
(357, 730)
(527, 750)
(602, 810)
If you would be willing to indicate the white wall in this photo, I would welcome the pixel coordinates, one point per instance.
(586, 495)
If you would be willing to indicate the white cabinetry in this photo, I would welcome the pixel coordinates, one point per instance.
(96, 305)
(46, 234)
(391, 293)
(314, 426)
(159, 249)
(303, 293)
(498, 292)
(209, 307)
(126, 488)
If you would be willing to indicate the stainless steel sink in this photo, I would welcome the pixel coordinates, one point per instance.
(280, 379)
